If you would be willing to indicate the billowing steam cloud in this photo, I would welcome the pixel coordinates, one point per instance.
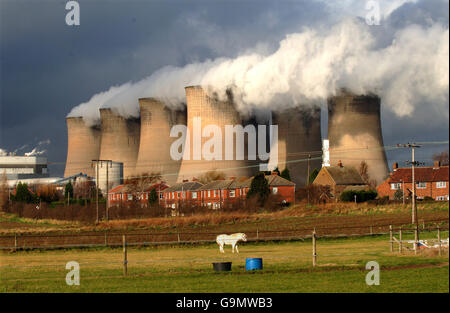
(38, 150)
(308, 67)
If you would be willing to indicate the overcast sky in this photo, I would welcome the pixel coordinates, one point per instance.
(47, 67)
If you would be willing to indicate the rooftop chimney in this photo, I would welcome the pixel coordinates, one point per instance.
(274, 173)
(340, 163)
(437, 164)
(185, 180)
(395, 166)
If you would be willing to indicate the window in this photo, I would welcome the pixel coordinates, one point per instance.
(441, 184)
(395, 186)
(130, 197)
(161, 196)
(232, 193)
(275, 190)
(209, 193)
(194, 195)
(214, 193)
(421, 185)
(442, 198)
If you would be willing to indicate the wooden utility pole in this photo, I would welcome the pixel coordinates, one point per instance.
(107, 189)
(307, 178)
(96, 187)
(400, 244)
(414, 218)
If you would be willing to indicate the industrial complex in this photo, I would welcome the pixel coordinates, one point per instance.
(143, 145)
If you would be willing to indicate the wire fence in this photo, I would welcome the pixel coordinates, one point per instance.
(147, 238)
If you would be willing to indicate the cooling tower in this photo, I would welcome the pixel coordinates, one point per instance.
(155, 141)
(211, 112)
(299, 137)
(119, 140)
(83, 146)
(354, 132)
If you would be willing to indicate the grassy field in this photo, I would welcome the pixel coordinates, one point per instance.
(287, 268)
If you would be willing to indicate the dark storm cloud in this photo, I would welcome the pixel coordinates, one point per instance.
(47, 67)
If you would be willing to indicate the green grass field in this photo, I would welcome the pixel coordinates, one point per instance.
(287, 268)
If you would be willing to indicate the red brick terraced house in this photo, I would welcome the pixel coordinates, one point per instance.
(124, 195)
(181, 193)
(430, 181)
(218, 193)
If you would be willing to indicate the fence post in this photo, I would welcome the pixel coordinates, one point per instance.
(106, 238)
(314, 247)
(371, 230)
(400, 245)
(15, 241)
(178, 235)
(257, 234)
(125, 261)
(416, 236)
(439, 240)
(391, 240)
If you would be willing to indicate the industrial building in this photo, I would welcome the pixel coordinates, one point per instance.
(23, 167)
(143, 144)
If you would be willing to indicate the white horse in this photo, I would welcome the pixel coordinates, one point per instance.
(230, 240)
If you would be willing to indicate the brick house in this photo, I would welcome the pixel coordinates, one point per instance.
(125, 195)
(339, 179)
(182, 192)
(216, 194)
(431, 181)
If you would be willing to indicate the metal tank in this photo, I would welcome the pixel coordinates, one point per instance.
(119, 140)
(354, 133)
(212, 112)
(299, 141)
(83, 146)
(154, 156)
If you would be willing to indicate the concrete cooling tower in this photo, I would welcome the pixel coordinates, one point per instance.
(83, 146)
(155, 141)
(119, 140)
(354, 133)
(299, 136)
(212, 112)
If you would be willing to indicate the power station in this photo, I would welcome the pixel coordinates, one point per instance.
(145, 145)
(354, 133)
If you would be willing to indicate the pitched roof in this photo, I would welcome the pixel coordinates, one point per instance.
(421, 174)
(344, 175)
(275, 180)
(185, 186)
(128, 188)
(217, 184)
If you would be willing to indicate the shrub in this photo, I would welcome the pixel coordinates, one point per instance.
(361, 195)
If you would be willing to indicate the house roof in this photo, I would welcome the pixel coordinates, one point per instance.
(275, 180)
(421, 174)
(356, 187)
(185, 186)
(343, 175)
(217, 184)
(127, 188)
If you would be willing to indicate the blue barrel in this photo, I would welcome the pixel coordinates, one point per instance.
(253, 264)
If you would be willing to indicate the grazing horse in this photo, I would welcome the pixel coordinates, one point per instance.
(231, 240)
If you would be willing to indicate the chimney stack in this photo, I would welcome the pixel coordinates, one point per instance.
(437, 164)
(340, 163)
(395, 166)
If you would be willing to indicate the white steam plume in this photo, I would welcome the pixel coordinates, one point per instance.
(307, 68)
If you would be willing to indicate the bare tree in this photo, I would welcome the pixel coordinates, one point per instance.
(364, 172)
(441, 157)
(4, 190)
(211, 176)
(139, 184)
